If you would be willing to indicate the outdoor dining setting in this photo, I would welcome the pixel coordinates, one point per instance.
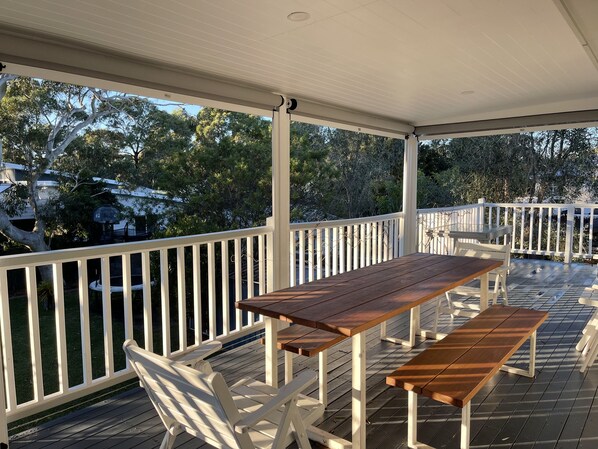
(300, 223)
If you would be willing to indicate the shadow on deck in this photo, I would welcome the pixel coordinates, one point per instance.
(557, 409)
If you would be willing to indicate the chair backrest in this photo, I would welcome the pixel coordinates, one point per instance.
(196, 399)
(484, 251)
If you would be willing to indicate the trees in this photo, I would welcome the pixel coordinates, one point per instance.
(39, 120)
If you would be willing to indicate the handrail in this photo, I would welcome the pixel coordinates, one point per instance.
(345, 222)
(91, 252)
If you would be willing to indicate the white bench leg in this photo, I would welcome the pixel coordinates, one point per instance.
(413, 329)
(358, 399)
(465, 425)
(531, 371)
(288, 367)
(412, 424)
(323, 377)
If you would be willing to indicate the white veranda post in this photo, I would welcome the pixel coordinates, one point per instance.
(278, 250)
(409, 228)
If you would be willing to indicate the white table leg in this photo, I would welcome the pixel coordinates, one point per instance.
(484, 292)
(271, 328)
(358, 391)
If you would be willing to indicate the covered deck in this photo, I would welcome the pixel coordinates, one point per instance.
(557, 409)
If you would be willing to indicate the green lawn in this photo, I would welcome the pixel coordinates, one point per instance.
(21, 345)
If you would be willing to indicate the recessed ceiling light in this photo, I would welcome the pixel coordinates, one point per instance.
(467, 92)
(298, 16)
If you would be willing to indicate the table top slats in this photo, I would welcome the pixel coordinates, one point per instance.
(260, 303)
(383, 305)
(355, 301)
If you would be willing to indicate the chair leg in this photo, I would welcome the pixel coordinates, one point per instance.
(168, 441)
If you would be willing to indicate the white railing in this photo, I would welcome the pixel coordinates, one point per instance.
(322, 249)
(174, 295)
(557, 230)
(171, 295)
(430, 221)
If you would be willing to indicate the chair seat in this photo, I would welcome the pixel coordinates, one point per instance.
(250, 394)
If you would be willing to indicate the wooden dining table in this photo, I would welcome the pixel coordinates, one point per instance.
(353, 302)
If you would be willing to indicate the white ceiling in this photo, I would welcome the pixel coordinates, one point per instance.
(409, 60)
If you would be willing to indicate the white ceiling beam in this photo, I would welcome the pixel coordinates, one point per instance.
(576, 119)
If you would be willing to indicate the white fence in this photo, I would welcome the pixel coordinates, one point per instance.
(171, 295)
(560, 230)
(430, 221)
(321, 249)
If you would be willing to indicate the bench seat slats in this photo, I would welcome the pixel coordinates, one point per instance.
(305, 340)
(454, 369)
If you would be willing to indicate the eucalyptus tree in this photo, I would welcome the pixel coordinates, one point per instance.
(39, 121)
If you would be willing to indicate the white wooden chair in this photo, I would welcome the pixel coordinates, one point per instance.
(497, 276)
(249, 415)
(588, 343)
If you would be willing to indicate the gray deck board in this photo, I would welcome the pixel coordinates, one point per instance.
(558, 409)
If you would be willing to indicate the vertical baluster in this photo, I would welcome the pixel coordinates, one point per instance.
(250, 280)
(239, 283)
(318, 253)
(107, 316)
(196, 254)
(127, 298)
(165, 302)
(341, 250)
(549, 230)
(540, 224)
(582, 212)
(293, 259)
(532, 211)
(59, 322)
(302, 256)
(225, 288)
(380, 226)
(261, 263)
(239, 279)
(368, 244)
(362, 238)
(327, 251)
(335, 248)
(591, 233)
(84, 321)
(349, 242)
(6, 342)
(522, 223)
(385, 232)
(356, 246)
(558, 230)
(212, 290)
(148, 327)
(373, 237)
(310, 255)
(396, 237)
(182, 297)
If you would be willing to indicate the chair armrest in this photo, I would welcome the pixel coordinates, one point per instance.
(286, 394)
(193, 357)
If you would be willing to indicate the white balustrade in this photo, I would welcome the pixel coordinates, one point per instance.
(339, 246)
(177, 282)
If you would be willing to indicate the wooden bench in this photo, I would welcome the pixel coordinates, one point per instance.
(308, 342)
(454, 369)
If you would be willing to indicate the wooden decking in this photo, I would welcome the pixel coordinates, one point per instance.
(559, 409)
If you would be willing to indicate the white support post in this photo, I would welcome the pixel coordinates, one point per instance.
(281, 188)
(414, 329)
(408, 233)
(279, 258)
(358, 397)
